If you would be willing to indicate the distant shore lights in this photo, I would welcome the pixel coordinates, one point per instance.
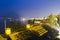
(23, 19)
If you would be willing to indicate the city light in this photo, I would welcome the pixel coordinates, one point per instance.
(58, 36)
(28, 26)
(39, 29)
(58, 29)
(8, 31)
(23, 19)
(38, 22)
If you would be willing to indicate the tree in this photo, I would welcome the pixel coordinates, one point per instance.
(12, 26)
(18, 25)
(52, 20)
(30, 22)
(58, 18)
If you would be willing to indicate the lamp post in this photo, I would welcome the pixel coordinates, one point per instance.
(7, 30)
(5, 22)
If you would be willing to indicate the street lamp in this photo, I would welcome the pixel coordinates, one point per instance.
(28, 26)
(8, 31)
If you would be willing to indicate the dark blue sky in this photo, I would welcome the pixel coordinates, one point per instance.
(29, 8)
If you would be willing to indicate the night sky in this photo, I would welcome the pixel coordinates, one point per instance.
(29, 8)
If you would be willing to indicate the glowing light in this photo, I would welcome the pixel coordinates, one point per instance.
(23, 19)
(58, 29)
(58, 36)
(28, 26)
(41, 31)
(8, 31)
(36, 22)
